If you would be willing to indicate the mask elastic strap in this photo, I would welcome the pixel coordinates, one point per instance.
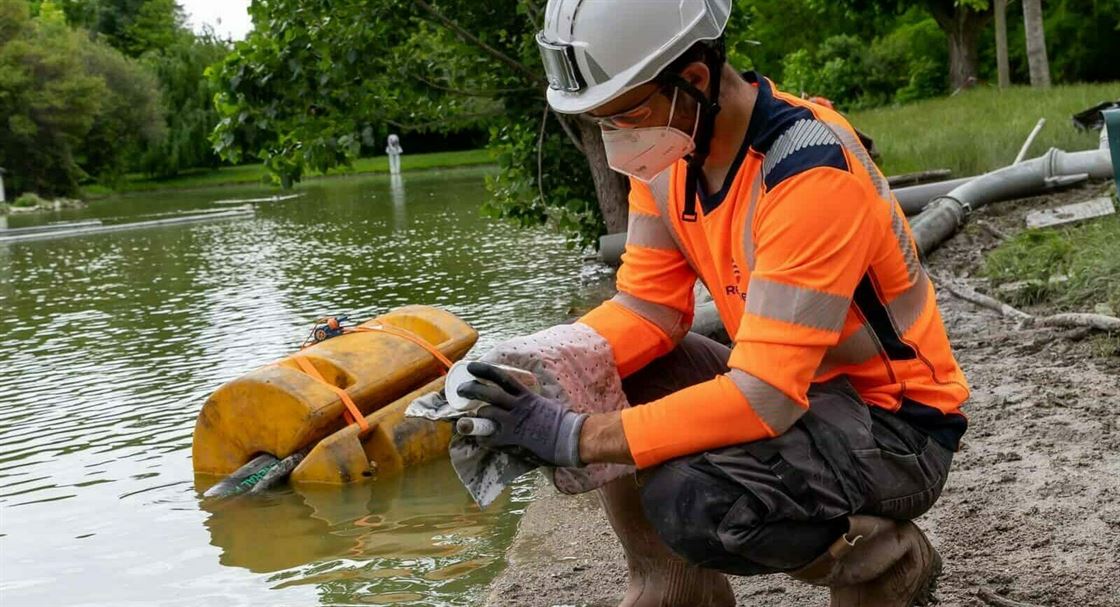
(707, 109)
(673, 110)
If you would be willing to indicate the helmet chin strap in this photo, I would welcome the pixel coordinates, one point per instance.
(707, 109)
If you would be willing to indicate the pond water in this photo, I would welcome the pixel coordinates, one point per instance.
(110, 343)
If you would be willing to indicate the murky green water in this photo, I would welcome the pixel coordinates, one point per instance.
(109, 344)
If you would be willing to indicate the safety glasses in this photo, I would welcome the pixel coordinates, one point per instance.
(631, 118)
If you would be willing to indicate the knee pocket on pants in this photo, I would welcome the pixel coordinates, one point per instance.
(687, 507)
(904, 485)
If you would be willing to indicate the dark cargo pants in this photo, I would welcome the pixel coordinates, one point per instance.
(777, 504)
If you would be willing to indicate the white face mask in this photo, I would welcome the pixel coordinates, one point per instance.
(644, 152)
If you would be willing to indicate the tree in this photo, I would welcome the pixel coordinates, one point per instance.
(130, 119)
(48, 100)
(962, 21)
(306, 90)
(1036, 43)
(188, 103)
(73, 107)
(1003, 66)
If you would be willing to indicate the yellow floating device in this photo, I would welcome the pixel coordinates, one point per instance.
(280, 409)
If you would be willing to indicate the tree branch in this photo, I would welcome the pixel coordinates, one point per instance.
(540, 155)
(973, 296)
(576, 140)
(466, 93)
(1100, 322)
(462, 33)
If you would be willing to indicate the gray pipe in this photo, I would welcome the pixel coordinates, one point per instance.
(954, 200)
(914, 198)
(611, 247)
(947, 213)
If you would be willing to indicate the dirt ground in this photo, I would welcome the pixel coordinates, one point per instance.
(1031, 510)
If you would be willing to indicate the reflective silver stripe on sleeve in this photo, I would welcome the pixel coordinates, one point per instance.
(748, 222)
(849, 141)
(797, 305)
(898, 227)
(906, 246)
(668, 319)
(772, 406)
(649, 231)
(906, 308)
(861, 346)
(909, 305)
(659, 189)
(804, 133)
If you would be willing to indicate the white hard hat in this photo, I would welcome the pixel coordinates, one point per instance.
(596, 50)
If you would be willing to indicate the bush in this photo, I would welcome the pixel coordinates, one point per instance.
(71, 106)
(564, 197)
(907, 64)
(28, 200)
(130, 120)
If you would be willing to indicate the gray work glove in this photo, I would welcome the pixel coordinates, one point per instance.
(526, 421)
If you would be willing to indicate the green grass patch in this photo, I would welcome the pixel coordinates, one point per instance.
(1088, 254)
(980, 129)
(256, 173)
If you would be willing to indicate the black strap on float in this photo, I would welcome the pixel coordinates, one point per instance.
(707, 108)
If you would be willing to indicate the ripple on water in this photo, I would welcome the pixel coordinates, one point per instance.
(110, 344)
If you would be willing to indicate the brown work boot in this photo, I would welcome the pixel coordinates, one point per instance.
(878, 563)
(657, 576)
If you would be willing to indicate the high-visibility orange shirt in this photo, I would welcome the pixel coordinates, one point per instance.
(814, 272)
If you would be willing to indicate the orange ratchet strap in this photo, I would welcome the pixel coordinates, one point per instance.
(405, 334)
(353, 413)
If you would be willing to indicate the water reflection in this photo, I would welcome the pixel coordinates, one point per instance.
(420, 517)
(396, 192)
(110, 344)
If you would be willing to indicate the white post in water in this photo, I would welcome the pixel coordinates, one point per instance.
(394, 151)
(2, 171)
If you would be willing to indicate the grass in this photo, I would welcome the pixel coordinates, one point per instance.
(1088, 253)
(256, 173)
(981, 129)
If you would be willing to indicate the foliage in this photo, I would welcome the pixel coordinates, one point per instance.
(1088, 254)
(49, 100)
(188, 106)
(556, 194)
(308, 92)
(74, 107)
(907, 64)
(133, 27)
(130, 119)
(1082, 41)
(305, 91)
(28, 200)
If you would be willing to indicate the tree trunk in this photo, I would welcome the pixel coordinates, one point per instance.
(1002, 64)
(611, 188)
(1036, 43)
(963, 26)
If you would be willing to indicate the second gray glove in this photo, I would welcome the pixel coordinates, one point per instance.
(526, 421)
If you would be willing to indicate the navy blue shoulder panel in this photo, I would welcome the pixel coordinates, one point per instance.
(825, 154)
(790, 139)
